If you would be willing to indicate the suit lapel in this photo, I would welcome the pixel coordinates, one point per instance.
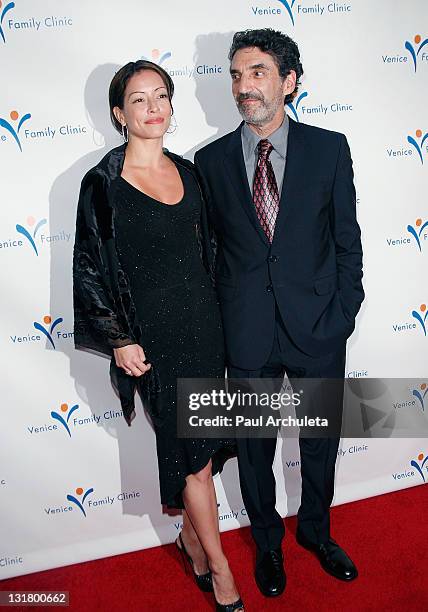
(235, 168)
(294, 172)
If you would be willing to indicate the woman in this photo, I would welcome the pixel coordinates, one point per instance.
(142, 293)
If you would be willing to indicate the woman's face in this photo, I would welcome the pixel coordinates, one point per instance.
(146, 108)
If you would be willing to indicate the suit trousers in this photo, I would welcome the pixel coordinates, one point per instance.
(317, 455)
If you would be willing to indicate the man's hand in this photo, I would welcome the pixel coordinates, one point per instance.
(131, 358)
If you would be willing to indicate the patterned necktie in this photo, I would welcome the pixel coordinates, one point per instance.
(265, 190)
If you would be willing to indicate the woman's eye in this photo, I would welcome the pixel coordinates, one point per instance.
(164, 95)
(138, 100)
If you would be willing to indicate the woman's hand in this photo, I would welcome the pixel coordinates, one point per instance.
(131, 358)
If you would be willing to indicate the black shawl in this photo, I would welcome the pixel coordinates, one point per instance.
(104, 312)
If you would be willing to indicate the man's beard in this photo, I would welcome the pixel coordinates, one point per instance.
(263, 112)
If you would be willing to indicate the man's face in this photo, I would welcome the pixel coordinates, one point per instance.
(257, 87)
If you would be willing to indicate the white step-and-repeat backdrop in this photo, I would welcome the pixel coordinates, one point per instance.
(75, 482)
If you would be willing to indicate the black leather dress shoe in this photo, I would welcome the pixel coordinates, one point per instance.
(270, 575)
(333, 559)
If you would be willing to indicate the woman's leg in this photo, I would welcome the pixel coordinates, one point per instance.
(193, 546)
(201, 506)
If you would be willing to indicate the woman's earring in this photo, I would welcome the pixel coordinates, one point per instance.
(172, 126)
(125, 132)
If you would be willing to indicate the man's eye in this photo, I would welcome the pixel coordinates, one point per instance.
(259, 73)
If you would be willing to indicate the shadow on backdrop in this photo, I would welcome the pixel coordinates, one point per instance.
(214, 95)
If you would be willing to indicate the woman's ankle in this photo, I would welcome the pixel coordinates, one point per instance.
(219, 566)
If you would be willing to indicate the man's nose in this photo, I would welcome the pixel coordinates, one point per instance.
(245, 85)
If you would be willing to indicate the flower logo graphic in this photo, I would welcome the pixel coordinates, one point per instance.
(14, 116)
(420, 393)
(417, 231)
(289, 8)
(157, 57)
(31, 237)
(420, 467)
(414, 51)
(421, 316)
(295, 107)
(64, 421)
(47, 320)
(418, 145)
(79, 503)
(9, 6)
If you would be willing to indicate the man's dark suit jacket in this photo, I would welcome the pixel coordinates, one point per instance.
(313, 268)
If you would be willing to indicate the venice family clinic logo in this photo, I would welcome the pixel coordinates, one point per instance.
(293, 9)
(420, 393)
(157, 56)
(3, 12)
(421, 317)
(64, 420)
(47, 320)
(416, 232)
(31, 234)
(420, 465)
(289, 8)
(294, 107)
(418, 145)
(415, 50)
(80, 502)
(14, 116)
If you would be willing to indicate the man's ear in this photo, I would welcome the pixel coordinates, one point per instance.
(289, 84)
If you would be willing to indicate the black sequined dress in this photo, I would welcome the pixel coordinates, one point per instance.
(178, 310)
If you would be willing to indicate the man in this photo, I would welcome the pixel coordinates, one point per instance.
(288, 275)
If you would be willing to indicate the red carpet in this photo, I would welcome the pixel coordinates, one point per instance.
(386, 536)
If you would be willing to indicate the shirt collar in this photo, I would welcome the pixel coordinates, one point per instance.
(278, 140)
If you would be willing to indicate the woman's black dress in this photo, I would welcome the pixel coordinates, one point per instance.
(179, 315)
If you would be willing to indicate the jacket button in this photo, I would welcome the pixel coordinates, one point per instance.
(272, 259)
(269, 288)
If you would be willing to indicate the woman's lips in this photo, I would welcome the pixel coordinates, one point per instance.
(154, 121)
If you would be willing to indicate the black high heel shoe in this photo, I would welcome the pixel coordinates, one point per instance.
(236, 605)
(204, 581)
(231, 607)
